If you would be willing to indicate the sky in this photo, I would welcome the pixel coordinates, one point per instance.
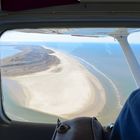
(15, 36)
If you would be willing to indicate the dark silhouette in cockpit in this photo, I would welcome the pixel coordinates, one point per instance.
(127, 126)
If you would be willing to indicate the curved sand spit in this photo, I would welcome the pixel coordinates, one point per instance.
(66, 90)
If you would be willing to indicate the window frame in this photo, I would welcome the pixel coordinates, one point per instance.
(104, 18)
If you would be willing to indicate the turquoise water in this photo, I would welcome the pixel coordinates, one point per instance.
(108, 58)
(6, 51)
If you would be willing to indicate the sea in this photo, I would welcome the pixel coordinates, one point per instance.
(105, 60)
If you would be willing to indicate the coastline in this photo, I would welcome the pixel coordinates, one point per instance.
(66, 90)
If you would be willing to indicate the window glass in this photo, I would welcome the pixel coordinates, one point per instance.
(65, 73)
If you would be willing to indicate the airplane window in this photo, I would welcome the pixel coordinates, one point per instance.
(65, 73)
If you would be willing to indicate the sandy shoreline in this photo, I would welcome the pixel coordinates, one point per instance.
(66, 90)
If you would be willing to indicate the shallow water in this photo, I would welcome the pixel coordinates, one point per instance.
(7, 51)
(107, 58)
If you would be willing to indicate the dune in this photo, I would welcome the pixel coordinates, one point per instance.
(67, 90)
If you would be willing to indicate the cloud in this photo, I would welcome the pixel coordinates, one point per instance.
(134, 38)
(14, 36)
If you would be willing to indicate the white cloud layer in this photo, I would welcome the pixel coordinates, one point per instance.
(14, 36)
(36, 37)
